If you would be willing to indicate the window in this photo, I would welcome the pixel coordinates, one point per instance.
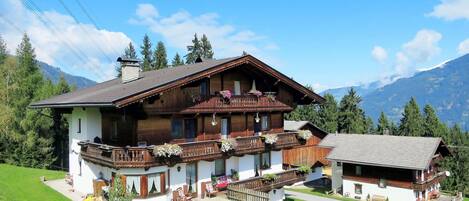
(114, 130)
(358, 170)
(191, 177)
(176, 129)
(382, 183)
(203, 88)
(189, 128)
(225, 130)
(79, 125)
(262, 161)
(220, 167)
(265, 123)
(133, 184)
(154, 183)
(358, 189)
(237, 88)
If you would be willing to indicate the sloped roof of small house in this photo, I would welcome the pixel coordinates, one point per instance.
(403, 152)
(114, 93)
(290, 125)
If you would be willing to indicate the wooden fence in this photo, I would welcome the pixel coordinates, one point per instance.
(244, 194)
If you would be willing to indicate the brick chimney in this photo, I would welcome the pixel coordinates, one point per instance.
(130, 69)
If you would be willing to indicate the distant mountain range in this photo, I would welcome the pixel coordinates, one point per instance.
(445, 87)
(54, 73)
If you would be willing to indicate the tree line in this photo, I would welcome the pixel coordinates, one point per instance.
(157, 59)
(29, 137)
(347, 116)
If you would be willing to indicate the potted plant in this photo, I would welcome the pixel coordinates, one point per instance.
(303, 170)
(234, 175)
(269, 139)
(166, 151)
(304, 135)
(269, 177)
(226, 95)
(228, 145)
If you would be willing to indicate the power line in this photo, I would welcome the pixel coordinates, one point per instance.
(48, 24)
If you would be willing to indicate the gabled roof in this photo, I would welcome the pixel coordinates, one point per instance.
(403, 152)
(299, 125)
(114, 93)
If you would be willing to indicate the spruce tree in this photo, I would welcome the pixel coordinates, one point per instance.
(351, 117)
(432, 125)
(207, 51)
(159, 57)
(411, 121)
(3, 50)
(328, 113)
(194, 51)
(177, 61)
(129, 52)
(383, 124)
(146, 53)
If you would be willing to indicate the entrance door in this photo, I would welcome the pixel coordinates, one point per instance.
(191, 177)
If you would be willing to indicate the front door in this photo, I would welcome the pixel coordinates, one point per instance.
(191, 177)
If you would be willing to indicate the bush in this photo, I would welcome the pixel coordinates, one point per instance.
(304, 169)
(269, 177)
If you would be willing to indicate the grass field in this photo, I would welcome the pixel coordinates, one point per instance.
(19, 183)
(318, 192)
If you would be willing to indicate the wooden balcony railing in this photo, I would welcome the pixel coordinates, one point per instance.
(143, 157)
(239, 103)
(288, 177)
(423, 185)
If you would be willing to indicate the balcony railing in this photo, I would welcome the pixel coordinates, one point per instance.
(288, 177)
(422, 185)
(143, 157)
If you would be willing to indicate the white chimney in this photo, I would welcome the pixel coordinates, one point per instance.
(130, 70)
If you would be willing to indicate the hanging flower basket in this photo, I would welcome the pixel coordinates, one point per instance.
(228, 146)
(304, 135)
(270, 139)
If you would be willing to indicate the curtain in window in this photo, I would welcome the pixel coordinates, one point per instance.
(265, 160)
(133, 184)
(191, 175)
(154, 183)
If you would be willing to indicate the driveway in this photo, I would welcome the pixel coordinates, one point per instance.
(304, 196)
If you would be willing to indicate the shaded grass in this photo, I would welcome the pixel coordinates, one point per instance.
(20, 183)
(292, 199)
(318, 192)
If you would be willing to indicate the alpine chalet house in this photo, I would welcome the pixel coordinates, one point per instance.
(184, 131)
(384, 167)
(309, 154)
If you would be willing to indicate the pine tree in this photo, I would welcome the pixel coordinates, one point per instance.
(194, 51)
(3, 50)
(351, 117)
(383, 124)
(207, 51)
(159, 57)
(177, 61)
(328, 113)
(146, 53)
(458, 163)
(411, 121)
(129, 52)
(432, 125)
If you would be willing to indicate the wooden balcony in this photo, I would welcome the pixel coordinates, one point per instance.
(288, 177)
(143, 157)
(423, 185)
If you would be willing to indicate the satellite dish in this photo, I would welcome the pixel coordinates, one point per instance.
(447, 173)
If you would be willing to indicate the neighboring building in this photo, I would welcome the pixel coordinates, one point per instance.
(309, 154)
(386, 167)
(115, 125)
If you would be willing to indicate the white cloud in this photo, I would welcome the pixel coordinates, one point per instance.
(421, 48)
(463, 47)
(451, 10)
(178, 30)
(379, 54)
(97, 49)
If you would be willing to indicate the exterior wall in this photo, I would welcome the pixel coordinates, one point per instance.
(231, 163)
(317, 174)
(90, 128)
(392, 193)
(246, 167)
(336, 176)
(277, 195)
(276, 164)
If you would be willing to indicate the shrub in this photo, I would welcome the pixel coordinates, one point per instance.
(269, 177)
(118, 191)
(304, 169)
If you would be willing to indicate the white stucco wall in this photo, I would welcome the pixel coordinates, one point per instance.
(277, 195)
(336, 176)
(246, 167)
(276, 163)
(393, 193)
(232, 163)
(204, 173)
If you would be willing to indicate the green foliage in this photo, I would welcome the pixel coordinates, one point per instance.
(269, 177)
(159, 57)
(351, 117)
(328, 114)
(383, 124)
(432, 125)
(129, 52)
(146, 53)
(118, 191)
(304, 169)
(411, 122)
(194, 51)
(207, 51)
(177, 61)
(3, 50)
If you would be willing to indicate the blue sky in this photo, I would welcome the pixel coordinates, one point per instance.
(324, 44)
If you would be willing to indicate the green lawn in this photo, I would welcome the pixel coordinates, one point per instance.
(19, 183)
(292, 199)
(319, 192)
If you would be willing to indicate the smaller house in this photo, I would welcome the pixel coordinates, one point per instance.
(308, 154)
(380, 167)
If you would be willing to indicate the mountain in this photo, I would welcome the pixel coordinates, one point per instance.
(445, 87)
(54, 73)
(362, 90)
